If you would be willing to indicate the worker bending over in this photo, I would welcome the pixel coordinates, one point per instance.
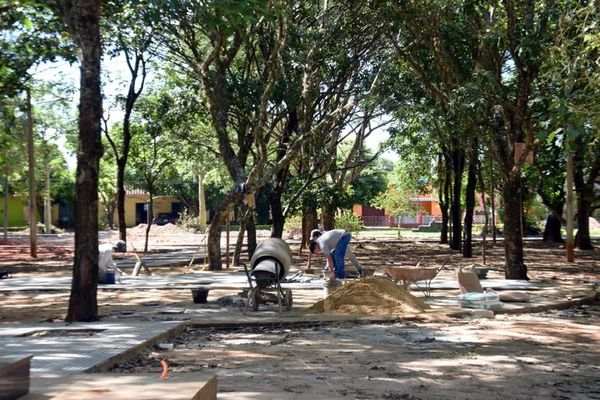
(334, 245)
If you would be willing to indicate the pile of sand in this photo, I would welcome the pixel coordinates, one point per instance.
(374, 296)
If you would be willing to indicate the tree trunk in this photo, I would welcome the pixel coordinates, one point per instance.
(514, 266)
(552, 233)
(202, 213)
(132, 96)
(237, 252)
(5, 208)
(84, 24)
(47, 201)
(31, 179)
(470, 204)
(276, 212)
(444, 188)
(327, 218)
(309, 222)
(110, 216)
(458, 160)
(445, 222)
(493, 202)
(246, 225)
(570, 242)
(149, 218)
(251, 229)
(213, 243)
(121, 199)
(282, 175)
(585, 198)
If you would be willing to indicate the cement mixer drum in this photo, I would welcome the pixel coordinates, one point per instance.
(271, 259)
(269, 265)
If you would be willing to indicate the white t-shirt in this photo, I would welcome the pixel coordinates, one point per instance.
(328, 240)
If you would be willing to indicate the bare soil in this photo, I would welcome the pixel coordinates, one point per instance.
(548, 355)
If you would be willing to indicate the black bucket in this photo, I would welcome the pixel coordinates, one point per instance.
(200, 295)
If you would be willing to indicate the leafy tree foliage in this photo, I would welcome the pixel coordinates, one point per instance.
(32, 33)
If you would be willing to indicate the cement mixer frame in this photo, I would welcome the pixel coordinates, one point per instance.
(269, 291)
(269, 265)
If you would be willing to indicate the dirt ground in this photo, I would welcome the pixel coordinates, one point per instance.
(548, 355)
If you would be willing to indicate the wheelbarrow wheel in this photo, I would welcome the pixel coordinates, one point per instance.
(255, 299)
(288, 299)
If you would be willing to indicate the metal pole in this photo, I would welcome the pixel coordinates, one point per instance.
(31, 179)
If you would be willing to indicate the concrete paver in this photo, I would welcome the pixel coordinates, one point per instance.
(63, 349)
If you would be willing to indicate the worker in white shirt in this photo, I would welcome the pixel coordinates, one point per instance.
(334, 245)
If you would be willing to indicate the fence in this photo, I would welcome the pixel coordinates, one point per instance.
(408, 221)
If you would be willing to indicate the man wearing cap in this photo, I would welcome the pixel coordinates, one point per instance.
(334, 246)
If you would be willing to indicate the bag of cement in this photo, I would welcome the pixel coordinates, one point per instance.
(107, 269)
(514, 296)
(468, 280)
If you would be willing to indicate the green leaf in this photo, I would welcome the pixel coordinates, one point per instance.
(552, 135)
(28, 24)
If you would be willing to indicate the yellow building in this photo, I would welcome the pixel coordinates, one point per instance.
(136, 208)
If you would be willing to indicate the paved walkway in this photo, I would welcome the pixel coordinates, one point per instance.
(236, 280)
(63, 349)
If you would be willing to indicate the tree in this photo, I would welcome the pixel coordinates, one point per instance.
(489, 54)
(397, 200)
(82, 19)
(513, 65)
(571, 73)
(130, 38)
(331, 74)
(11, 152)
(369, 183)
(199, 166)
(152, 149)
(35, 36)
(550, 183)
(207, 42)
(53, 123)
(107, 189)
(436, 57)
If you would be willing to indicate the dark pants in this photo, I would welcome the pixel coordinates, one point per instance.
(338, 255)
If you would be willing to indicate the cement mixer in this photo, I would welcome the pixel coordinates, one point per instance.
(269, 266)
